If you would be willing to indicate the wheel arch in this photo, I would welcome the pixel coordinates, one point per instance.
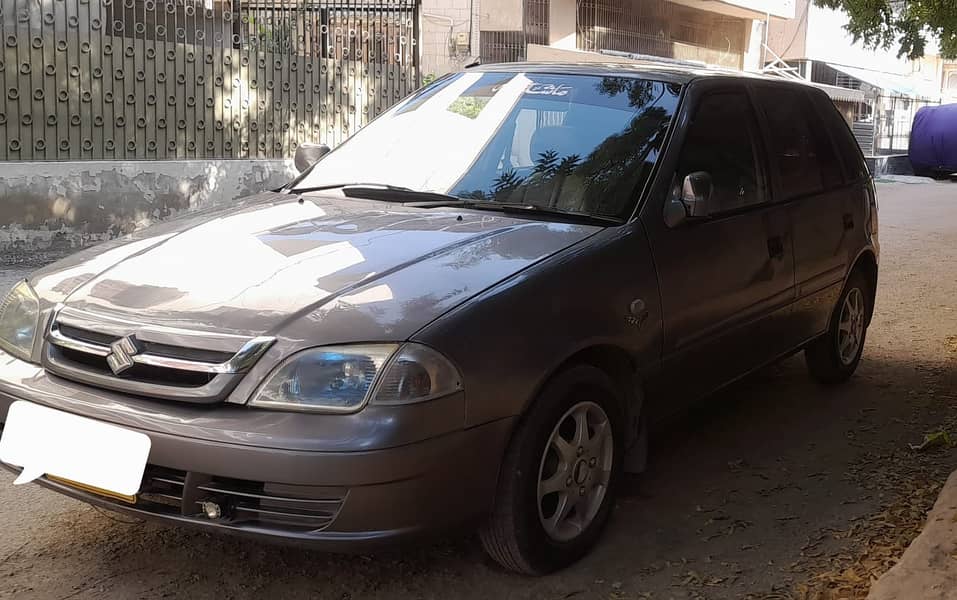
(613, 360)
(619, 365)
(866, 264)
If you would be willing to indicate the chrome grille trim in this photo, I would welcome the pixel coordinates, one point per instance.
(55, 337)
(117, 327)
(245, 358)
(153, 361)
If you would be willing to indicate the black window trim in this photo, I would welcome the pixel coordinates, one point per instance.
(664, 153)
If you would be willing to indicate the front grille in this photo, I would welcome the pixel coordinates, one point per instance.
(148, 360)
(244, 504)
(92, 337)
(162, 490)
(143, 373)
(169, 351)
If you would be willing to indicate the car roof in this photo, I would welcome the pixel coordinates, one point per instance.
(661, 71)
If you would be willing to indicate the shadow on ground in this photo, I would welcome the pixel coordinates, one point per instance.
(774, 488)
(738, 486)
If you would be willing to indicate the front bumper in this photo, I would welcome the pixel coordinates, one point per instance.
(359, 494)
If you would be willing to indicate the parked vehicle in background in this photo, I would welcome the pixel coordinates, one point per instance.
(933, 141)
(469, 313)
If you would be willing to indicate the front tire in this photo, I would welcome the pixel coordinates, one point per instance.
(559, 477)
(834, 357)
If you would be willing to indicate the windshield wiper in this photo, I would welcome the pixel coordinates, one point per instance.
(334, 186)
(419, 199)
(521, 209)
(384, 192)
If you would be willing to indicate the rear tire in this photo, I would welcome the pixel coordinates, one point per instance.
(556, 495)
(833, 357)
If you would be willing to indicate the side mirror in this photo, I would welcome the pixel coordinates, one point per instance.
(309, 154)
(692, 201)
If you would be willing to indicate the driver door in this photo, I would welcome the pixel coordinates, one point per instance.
(726, 279)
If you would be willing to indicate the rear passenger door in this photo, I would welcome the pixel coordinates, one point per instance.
(809, 177)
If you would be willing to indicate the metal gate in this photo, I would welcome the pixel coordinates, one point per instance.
(197, 79)
(893, 117)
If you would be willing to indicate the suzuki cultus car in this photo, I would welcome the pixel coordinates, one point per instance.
(467, 315)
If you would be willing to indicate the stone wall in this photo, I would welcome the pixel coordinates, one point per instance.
(53, 208)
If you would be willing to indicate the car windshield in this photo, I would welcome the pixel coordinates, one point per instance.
(571, 143)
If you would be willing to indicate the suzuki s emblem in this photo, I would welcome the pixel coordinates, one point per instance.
(121, 354)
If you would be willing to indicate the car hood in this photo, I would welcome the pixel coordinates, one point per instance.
(280, 263)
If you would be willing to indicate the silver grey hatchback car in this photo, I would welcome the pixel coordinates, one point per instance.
(467, 314)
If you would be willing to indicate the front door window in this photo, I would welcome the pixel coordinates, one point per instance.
(721, 142)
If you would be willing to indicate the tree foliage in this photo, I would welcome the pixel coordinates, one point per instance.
(909, 24)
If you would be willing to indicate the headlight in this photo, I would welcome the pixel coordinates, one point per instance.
(19, 316)
(416, 373)
(346, 378)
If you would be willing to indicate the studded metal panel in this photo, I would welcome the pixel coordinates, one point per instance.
(185, 79)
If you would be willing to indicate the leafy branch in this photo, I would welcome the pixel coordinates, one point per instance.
(880, 24)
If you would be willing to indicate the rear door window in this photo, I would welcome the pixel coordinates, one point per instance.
(848, 151)
(801, 148)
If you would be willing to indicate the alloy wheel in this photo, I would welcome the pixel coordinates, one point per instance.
(850, 331)
(575, 470)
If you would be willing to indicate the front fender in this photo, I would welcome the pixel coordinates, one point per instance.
(510, 339)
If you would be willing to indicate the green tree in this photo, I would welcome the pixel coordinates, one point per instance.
(907, 23)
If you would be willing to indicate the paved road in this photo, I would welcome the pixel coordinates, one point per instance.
(775, 488)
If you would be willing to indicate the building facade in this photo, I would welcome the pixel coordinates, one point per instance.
(722, 33)
(944, 71)
(948, 79)
(816, 47)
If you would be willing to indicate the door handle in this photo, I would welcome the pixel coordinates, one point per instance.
(848, 221)
(775, 247)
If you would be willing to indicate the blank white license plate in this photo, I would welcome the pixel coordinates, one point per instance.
(96, 455)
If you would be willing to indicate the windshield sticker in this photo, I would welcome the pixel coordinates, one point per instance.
(468, 106)
(549, 89)
(478, 95)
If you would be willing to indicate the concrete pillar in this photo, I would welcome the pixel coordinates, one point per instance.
(562, 24)
(807, 67)
(754, 49)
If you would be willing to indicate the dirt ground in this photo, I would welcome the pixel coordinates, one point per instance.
(775, 488)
